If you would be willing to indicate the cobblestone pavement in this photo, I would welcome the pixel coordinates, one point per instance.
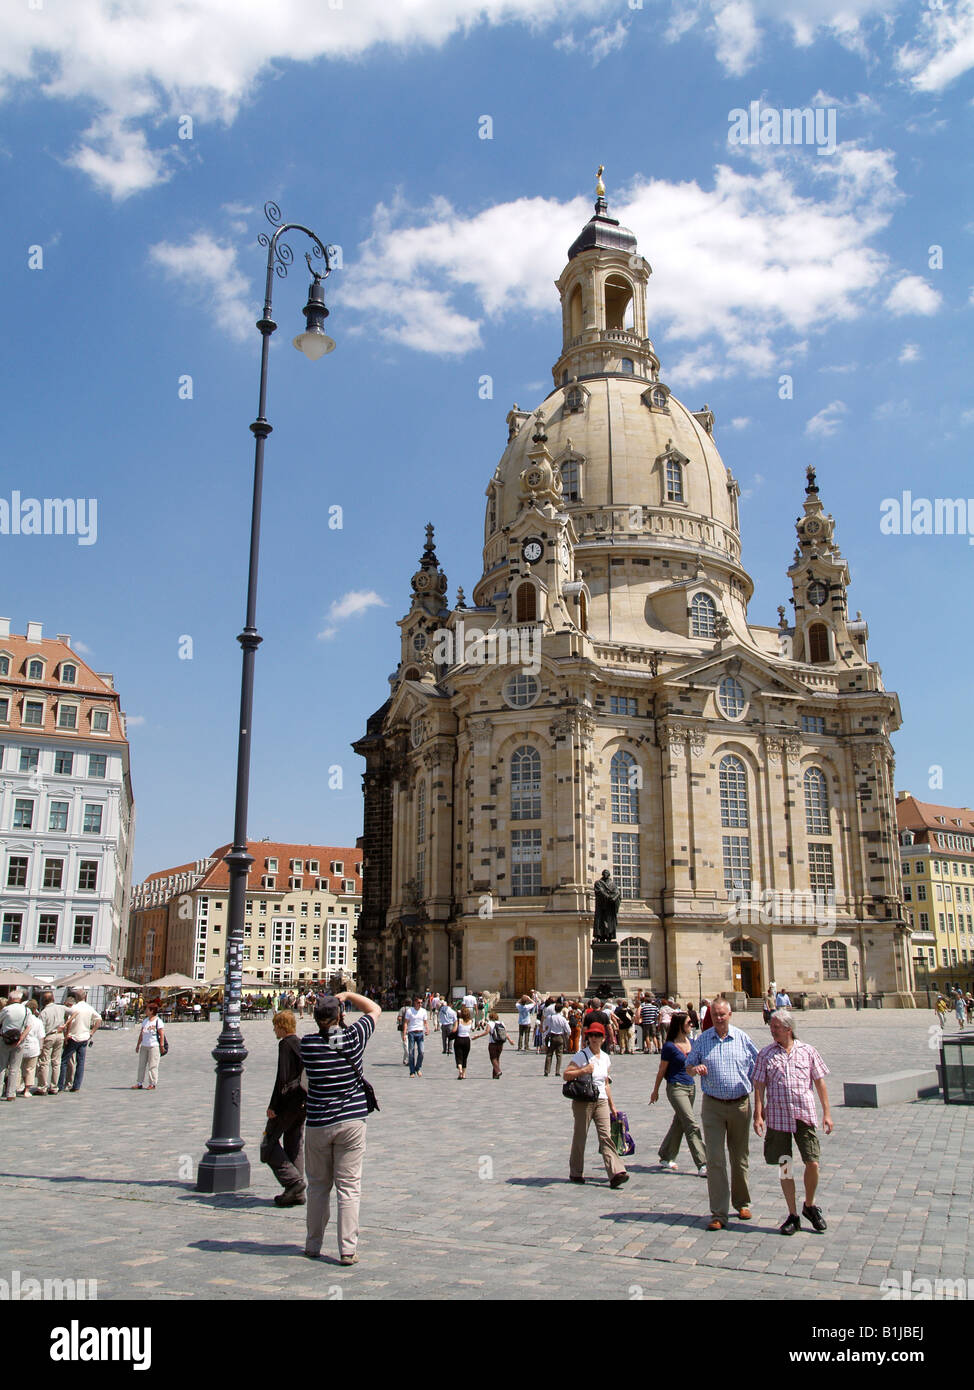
(473, 1176)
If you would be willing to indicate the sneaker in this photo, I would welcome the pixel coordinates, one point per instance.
(671, 1166)
(789, 1227)
(814, 1217)
(702, 1171)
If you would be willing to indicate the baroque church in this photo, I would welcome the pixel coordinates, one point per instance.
(603, 702)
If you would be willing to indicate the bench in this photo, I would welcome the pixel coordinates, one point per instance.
(892, 1088)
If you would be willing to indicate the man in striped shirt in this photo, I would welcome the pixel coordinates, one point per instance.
(784, 1075)
(649, 1023)
(724, 1058)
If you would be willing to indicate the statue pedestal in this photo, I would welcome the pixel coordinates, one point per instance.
(605, 981)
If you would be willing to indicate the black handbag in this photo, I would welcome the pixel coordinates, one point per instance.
(370, 1101)
(581, 1088)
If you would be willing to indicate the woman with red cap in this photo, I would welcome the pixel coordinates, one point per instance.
(593, 1063)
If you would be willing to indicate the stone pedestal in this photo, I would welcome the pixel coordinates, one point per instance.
(605, 981)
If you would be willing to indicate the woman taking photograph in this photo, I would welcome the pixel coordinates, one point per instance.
(334, 1140)
(148, 1045)
(680, 1092)
(592, 1062)
(282, 1143)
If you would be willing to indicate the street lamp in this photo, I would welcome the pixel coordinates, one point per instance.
(855, 971)
(225, 1167)
(699, 983)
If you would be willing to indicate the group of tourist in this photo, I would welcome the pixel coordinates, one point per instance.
(962, 1005)
(43, 1045)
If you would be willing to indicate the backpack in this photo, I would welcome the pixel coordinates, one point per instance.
(500, 1033)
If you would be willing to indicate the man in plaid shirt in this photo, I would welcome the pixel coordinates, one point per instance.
(784, 1075)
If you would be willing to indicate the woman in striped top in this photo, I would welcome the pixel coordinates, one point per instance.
(334, 1145)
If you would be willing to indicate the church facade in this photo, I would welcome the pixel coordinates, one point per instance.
(603, 702)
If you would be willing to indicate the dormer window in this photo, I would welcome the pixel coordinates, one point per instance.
(674, 481)
(99, 721)
(658, 398)
(574, 401)
(33, 714)
(35, 670)
(67, 716)
(4, 665)
(297, 866)
(703, 616)
(69, 674)
(571, 481)
(270, 865)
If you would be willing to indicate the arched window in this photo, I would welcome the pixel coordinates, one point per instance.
(674, 481)
(525, 783)
(527, 604)
(575, 401)
(835, 960)
(818, 642)
(524, 944)
(421, 813)
(625, 789)
(575, 312)
(732, 779)
(703, 616)
(730, 697)
(35, 670)
(817, 821)
(69, 674)
(618, 303)
(570, 481)
(634, 957)
(628, 366)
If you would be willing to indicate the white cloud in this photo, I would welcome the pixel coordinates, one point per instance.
(909, 352)
(598, 43)
(740, 266)
(350, 605)
(840, 368)
(81, 649)
(740, 422)
(827, 421)
(912, 295)
(204, 265)
(944, 49)
(137, 67)
(134, 721)
(756, 483)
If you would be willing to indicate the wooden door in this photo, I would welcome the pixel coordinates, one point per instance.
(523, 975)
(737, 972)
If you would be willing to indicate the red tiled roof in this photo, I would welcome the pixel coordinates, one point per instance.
(261, 850)
(90, 688)
(912, 814)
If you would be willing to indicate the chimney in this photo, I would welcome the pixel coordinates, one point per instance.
(902, 796)
(34, 631)
(64, 637)
(4, 627)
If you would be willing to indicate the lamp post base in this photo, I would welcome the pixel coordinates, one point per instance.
(228, 1172)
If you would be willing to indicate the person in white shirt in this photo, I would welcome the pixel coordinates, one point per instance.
(149, 1047)
(592, 1062)
(470, 1002)
(559, 1032)
(448, 1021)
(415, 1028)
(81, 1024)
(31, 1047)
(13, 1032)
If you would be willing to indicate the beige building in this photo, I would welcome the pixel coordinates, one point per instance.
(604, 701)
(937, 866)
(302, 908)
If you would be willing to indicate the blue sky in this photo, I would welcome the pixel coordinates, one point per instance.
(362, 121)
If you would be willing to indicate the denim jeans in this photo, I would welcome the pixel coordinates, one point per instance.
(77, 1050)
(416, 1041)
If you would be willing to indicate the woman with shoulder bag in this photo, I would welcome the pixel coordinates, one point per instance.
(282, 1143)
(497, 1038)
(339, 1099)
(149, 1045)
(593, 1065)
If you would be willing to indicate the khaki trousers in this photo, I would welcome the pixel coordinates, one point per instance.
(684, 1126)
(726, 1122)
(49, 1062)
(148, 1066)
(584, 1112)
(333, 1157)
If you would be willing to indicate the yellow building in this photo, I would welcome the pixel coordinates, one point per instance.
(302, 909)
(937, 866)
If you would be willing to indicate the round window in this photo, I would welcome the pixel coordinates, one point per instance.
(521, 690)
(730, 697)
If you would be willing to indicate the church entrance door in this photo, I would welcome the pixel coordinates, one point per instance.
(747, 977)
(523, 975)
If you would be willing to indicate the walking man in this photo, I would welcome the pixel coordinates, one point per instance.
(448, 1021)
(724, 1057)
(649, 1023)
(784, 1075)
(559, 1032)
(415, 1029)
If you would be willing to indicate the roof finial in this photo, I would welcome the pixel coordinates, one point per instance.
(600, 204)
(810, 486)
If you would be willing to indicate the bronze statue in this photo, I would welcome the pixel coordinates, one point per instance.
(607, 900)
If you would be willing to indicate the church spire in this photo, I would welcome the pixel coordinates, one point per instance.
(429, 582)
(820, 580)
